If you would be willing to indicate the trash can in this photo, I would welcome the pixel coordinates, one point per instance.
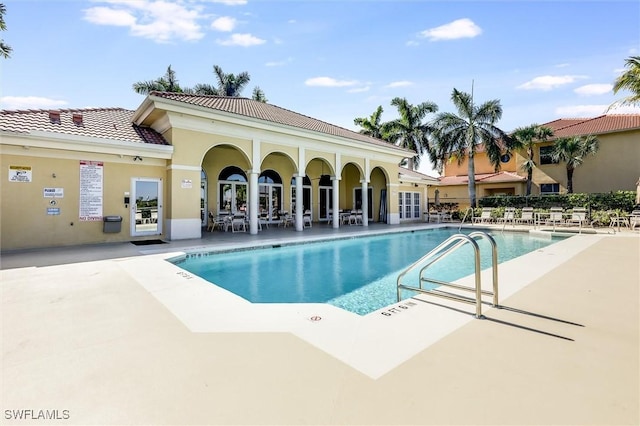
(111, 224)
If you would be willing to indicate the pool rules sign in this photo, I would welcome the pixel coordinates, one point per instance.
(91, 189)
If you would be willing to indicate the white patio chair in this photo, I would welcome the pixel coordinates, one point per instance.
(526, 216)
(578, 217)
(485, 216)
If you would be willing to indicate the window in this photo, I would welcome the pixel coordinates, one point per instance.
(546, 155)
(549, 188)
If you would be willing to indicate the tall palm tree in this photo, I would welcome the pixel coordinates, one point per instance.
(572, 151)
(167, 83)
(371, 126)
(408, 131)
(629, 80)
(258, 95)
(461, 135)
(5, 49)
(228, 84)
(526, 138)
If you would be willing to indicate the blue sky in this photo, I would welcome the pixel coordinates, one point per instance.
(331, 60)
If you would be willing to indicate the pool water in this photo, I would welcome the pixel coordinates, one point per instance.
(356, 274)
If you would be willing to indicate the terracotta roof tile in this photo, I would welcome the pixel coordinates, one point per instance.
(594, 126)
(104, 123)
(268, 112)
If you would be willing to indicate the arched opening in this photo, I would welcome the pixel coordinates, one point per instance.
(307, 203)
(270, 195)
(232, 184)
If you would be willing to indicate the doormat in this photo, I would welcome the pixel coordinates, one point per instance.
(147, 242)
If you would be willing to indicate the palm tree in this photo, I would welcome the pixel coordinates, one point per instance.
(408, 131)
(461, 135)
(572, 151)
(371, 126)
(629, 80)
(526, 138)
(167, 83)
(228, 84)
(258, 95)
(5, 50)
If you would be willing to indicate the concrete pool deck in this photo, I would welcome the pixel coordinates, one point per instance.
(92, 338)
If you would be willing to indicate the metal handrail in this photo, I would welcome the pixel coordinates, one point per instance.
(466, 213)
(441, 251)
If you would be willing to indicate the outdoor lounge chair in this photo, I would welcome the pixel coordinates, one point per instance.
(634, 219)
(508, 216)
(527, 216)
(578, 217)
(556, 216)
(485, 216)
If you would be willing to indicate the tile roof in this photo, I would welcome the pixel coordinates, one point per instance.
(415, 174)
(483, 178)
(104, 123)
(268, 112)
(567, 127)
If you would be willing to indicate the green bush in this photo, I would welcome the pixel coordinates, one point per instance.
(619, 200)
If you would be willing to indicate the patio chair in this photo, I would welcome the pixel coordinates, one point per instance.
(578, 217)
(238, 223)
(526, 217)
(556, 216)
(485, 216)
(508, 216)
(306, 219)
(634, 219)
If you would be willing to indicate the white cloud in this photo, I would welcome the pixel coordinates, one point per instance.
(224, 23)
(329, 82)
(593, 89)
(244, 40)
(570, 111)
(395, 84)
(279, 63)
(230, 2)
(159, 20)
(30, 102)
(548, 82)
(460, 28)
(359, 89)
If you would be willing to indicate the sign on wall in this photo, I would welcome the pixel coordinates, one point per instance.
(19, 173)
(91, 190)
(53, 192)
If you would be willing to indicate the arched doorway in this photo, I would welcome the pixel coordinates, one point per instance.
(270, 195)
(307, 203)
(232, 184)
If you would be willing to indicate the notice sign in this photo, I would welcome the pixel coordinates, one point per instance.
(91, 188)
(19, 173)
(53, 192)
(53, 211)
(187, 183)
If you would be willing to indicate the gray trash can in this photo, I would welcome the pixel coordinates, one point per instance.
(111, 224)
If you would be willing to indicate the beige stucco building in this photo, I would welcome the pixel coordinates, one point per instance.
(615, 167)
(109, 174)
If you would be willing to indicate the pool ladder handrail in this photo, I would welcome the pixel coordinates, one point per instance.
(466, 213)
(441, 251)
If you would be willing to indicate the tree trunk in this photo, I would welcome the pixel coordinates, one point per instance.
(471, 171)
(570, 180)
(530, 172)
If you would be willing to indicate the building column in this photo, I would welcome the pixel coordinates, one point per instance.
(365, 203)
(335, 188)
(299, 203)
(253, 201)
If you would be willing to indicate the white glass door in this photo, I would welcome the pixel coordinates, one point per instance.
(146, 206)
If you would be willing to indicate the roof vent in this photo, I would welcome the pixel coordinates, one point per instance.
(77, 119)
(54, 117)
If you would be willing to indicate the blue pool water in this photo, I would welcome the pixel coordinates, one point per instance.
(357, 274)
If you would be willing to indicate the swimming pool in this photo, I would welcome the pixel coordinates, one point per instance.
(355, 274)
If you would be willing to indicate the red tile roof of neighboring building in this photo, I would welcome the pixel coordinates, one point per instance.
(104, 123)
(567, 127)
(268, 112)
(483, 178)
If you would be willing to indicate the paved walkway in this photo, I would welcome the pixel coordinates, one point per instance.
(88, 340)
